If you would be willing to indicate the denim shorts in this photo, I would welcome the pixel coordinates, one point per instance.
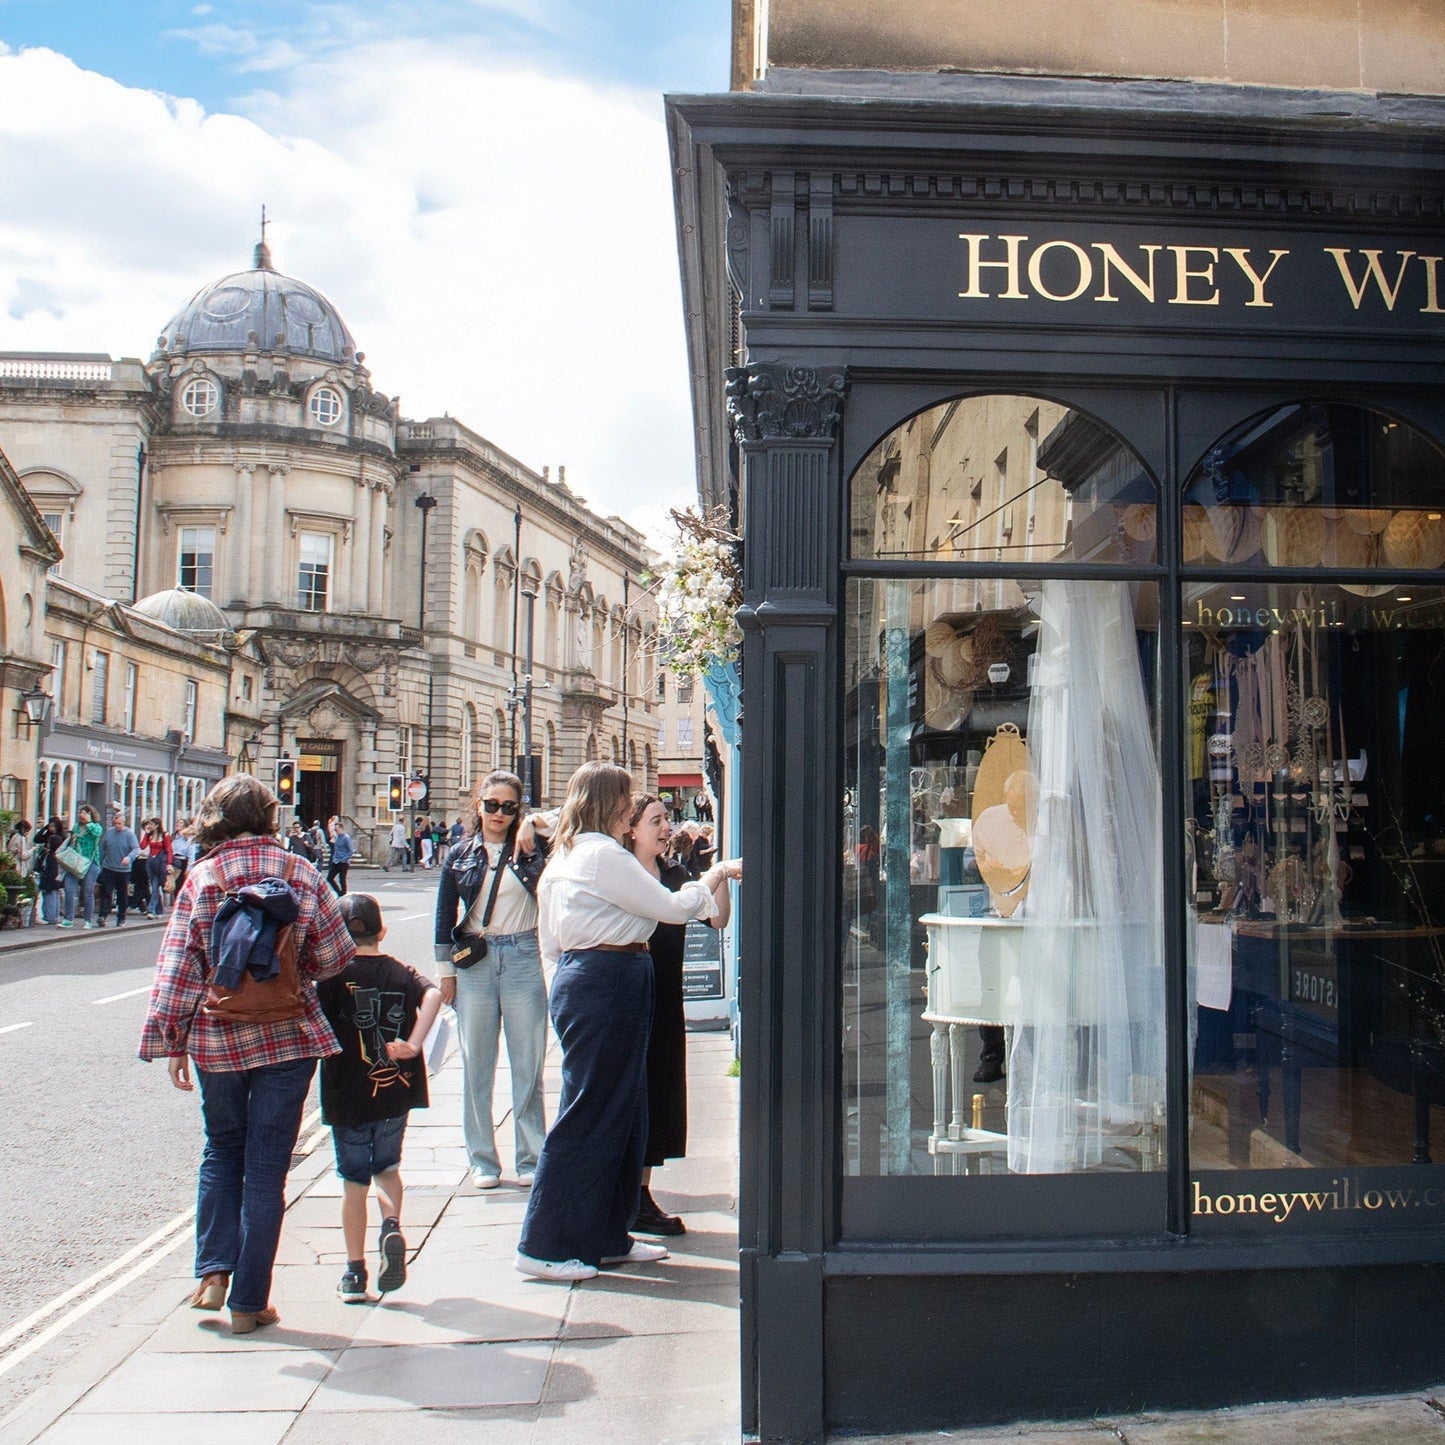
(365, 1150)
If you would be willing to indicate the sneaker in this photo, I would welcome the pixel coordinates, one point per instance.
(69, 923)
(524, 1181)
(391, 1248)
(484, 1180)
(99, 923)
(640, 1253)
(352, 1288)
(566, 1271)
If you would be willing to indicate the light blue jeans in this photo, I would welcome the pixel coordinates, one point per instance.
(81, 890)
(503, 993)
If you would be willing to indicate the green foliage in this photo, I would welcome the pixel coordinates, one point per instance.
(7, 862)
(4, 896)
(735, 1069)
(29, 888)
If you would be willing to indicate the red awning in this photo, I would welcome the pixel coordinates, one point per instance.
(679, 780)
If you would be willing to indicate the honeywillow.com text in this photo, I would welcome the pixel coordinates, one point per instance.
(1015, 268)
(1344, 1194)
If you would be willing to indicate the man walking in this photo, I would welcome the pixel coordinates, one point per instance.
(398, 855)
(119, 848)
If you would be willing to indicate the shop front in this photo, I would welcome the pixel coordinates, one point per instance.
(1091, 468)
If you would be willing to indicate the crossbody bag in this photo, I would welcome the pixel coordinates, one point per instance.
(472, 948)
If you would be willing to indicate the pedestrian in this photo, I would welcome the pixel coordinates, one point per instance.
(597, 905)
(316, 837)
(487, 891)
(458, 832)
(156, 848)
(49, 875)
(21, 847)
(183, 854)
(119, 848)
(424, 842)
(254, 1073)
(441, 842)
(381, 1010)
(342, 852)
(140, 891)
(397, 853)
(85, 839)
(298, 843)
(649, 831)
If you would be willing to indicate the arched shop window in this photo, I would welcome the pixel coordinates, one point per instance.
(1002, 931)
(1315, 804)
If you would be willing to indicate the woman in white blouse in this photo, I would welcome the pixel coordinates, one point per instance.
(597, 906)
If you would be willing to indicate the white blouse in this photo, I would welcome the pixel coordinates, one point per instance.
(597, 892)
(516, 910)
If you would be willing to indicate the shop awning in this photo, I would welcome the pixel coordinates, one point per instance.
(679, 780)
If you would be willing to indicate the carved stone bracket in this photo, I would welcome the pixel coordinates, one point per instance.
(771, 401)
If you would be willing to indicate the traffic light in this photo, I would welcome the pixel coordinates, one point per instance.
(396, 792)
(286, 782)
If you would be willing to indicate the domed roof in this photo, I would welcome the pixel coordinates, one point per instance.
(259, 310)
(184, 611)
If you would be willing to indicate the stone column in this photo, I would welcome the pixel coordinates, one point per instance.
(786, 421)
(279, 579)
(244, 587)
(380, 580)
(361, 547)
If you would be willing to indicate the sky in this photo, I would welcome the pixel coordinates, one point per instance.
(481, 187)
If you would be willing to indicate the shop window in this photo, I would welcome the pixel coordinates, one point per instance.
(952, 483)
(1315, 799)
(195, 559)
(1003, 935)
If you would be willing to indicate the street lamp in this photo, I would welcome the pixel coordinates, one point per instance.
(37, 704)
(528, 769)
(425, 503)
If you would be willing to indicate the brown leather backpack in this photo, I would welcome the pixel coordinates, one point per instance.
(255, 1002)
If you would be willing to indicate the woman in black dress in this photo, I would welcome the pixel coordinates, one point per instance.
(649, 832)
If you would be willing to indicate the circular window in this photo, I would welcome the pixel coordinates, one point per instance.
(326, 405)
(201, 397)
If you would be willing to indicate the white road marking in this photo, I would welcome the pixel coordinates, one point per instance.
(411, 916)
(10, 1028)
(129, 993)
(95, 1290)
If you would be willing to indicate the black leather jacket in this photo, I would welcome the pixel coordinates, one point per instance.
(462, 877)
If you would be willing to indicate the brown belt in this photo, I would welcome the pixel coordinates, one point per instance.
(640, 947)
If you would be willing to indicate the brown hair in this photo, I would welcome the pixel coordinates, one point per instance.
(640, 804)
(498, 777)
(591, 802)
(236, 806)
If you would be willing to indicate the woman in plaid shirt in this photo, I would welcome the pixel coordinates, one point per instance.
(254, 1077)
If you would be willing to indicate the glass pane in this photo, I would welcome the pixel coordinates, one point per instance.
(1318, 485)
(1003, 978)
(1003, 479)
(1316, 793)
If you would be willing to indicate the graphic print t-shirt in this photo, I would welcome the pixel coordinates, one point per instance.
(372, 1002)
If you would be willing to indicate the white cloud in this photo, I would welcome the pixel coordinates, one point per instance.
(499, 241)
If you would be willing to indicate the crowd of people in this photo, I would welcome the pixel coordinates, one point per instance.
(267, 967)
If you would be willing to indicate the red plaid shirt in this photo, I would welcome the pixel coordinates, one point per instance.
(174, 1022)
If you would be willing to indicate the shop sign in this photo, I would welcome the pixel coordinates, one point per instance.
(1071, 274)
(702, 975)
(1317, 1201)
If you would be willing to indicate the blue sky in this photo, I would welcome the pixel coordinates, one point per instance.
(482, 187)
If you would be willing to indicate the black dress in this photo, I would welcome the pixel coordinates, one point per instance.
(667, 1047)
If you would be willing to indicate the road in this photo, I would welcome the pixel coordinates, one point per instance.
(97, 1151)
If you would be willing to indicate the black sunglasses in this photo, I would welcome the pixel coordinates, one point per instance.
(495, 805)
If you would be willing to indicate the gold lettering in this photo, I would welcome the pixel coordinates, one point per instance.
(1432, 305)
(1114, 261)
(1036, 268)
(1240, 257)
(1202, 1202)
(1373, 272)
(1183, 275)
(973, 244)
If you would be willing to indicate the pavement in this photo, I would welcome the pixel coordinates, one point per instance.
(468, 1345)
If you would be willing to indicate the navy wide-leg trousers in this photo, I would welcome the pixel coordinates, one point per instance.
(585, 1194)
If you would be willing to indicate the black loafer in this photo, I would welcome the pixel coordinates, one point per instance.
(655, 1222)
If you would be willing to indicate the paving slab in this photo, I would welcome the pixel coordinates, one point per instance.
(434, 1377)
(155, 1384)
(256, 1427)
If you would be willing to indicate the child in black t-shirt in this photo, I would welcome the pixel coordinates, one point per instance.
(381, 1010)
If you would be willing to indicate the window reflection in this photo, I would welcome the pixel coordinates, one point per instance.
(1003, 979)
(1003, 478)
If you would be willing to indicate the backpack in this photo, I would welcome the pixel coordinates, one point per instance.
(277, 1000)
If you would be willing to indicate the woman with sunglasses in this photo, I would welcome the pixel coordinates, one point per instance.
(488, 892)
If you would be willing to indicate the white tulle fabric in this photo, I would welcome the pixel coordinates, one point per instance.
(1086, 1068)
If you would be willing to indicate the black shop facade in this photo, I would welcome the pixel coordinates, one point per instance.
(1088, 449)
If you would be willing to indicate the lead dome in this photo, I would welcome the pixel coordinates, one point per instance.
(259, 310)
(183, 611)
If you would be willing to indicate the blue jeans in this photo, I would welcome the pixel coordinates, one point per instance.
(50, 906)
(585, 1195)
(156, 877)
(252, 1119)
(503, 993)
(82, 891)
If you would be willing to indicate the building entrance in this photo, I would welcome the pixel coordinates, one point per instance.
(318, 783)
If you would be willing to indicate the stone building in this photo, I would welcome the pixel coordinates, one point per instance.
(370, 578)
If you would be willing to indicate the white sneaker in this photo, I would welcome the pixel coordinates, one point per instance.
(484, 1180)
(524, 1181)
(565, 1271)
(640, 1253)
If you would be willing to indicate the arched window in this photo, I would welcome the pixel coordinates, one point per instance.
(551, 642)
(469, 743)
(474, 566)
(499, 740)
(591, 755)
(504, 573)
(550, 783)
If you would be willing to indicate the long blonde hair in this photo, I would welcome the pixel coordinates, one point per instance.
(591, 802)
